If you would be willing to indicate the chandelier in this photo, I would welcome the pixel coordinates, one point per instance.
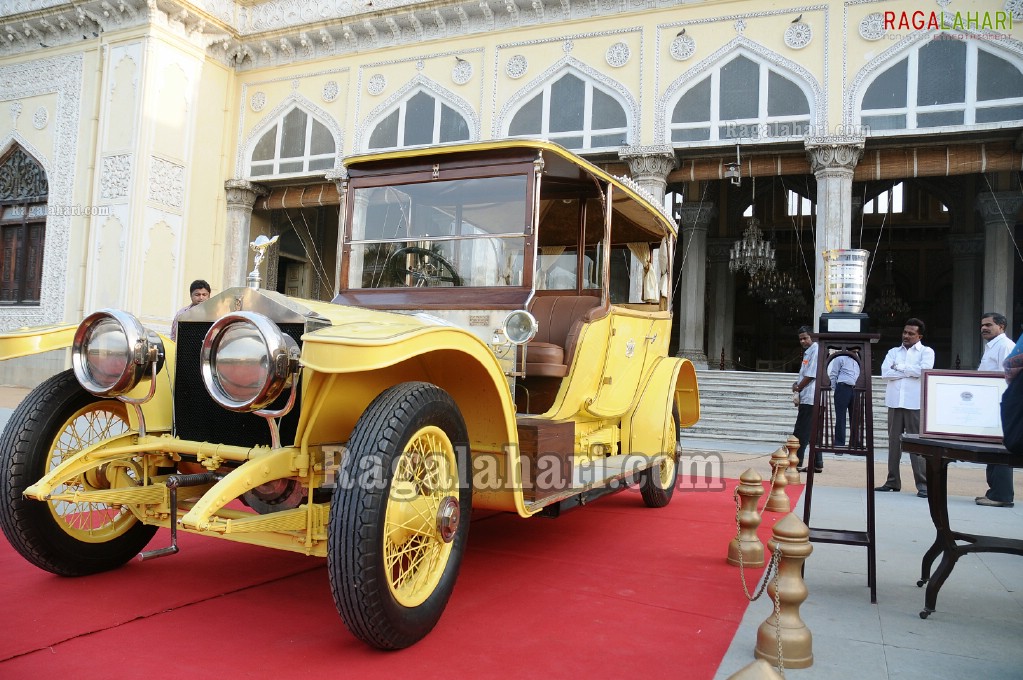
(889, 307)
(751, 253)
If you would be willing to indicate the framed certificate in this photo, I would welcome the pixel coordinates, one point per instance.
(962, 404)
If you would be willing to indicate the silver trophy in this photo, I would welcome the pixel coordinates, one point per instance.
(260, 246)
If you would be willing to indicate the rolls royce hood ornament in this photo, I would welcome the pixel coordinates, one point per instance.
(260, 246)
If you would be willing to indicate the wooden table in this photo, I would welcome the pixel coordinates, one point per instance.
(938, 453)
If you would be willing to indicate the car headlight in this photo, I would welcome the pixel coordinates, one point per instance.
(247, 361)
(520, 327)
(112, 352)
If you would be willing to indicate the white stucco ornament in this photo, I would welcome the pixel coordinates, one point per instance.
(516, 66)
(1015, 8)
(872, 26)
(376, 84)
(462, 72)
(330, 91)
(40, 118)
(258, 101)
(798, 35)
(682, 47)
(617, 55)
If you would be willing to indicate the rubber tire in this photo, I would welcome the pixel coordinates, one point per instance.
(29, 524)
(654, 495)
(355, 559)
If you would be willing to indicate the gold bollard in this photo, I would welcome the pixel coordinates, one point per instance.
(747, 544)
(778, 501)
(792, 474)
(758, 670)
(784, 632)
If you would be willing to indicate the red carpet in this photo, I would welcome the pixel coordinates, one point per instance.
(614, 588)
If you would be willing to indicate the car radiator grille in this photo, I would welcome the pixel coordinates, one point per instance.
(199, 418)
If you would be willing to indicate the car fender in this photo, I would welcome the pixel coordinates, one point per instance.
(672, 382)
(158, 411)
(344, 371)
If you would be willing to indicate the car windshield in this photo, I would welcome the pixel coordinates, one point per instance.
(442, 233)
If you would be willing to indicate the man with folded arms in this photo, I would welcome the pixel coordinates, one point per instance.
(901, 368)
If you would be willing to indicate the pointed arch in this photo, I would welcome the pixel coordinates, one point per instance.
(24, 192)
(939, 79)
(439, 115)
(295, 138)
(606, 113)
(784, 101)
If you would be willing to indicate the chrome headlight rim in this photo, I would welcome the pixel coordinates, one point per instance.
(510, 323)
(143, 348)
(280, 351)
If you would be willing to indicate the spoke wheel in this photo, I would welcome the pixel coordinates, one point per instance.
(400, 516)
(62, 535)
(657, 484)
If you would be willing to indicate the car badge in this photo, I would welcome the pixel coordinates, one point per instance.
(260, 246)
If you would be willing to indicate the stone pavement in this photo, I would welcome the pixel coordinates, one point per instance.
(977, 628)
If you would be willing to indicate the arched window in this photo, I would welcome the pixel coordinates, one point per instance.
(296, 143)
(23, 193)
(573, 112)
(944, 82)
(742, 98)
(419, 120)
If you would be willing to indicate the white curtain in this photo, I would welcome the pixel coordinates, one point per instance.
(651, 275)
(664, 256)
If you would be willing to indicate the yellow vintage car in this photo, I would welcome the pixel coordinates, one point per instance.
(499, 341)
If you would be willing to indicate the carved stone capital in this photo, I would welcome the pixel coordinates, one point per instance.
(966, 246)
(999, 207)
(696, 215)
(242, 193)
(718, 250)
(649, 166)
(834, 155)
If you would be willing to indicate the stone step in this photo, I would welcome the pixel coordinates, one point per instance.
(757, 407)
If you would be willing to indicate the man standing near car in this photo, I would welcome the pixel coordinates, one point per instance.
(901, 368)
(803, 390)
(998, 347)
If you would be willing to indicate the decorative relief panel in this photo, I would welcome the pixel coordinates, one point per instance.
(462, 72)
(166, 183)
(115, 177)
(798, 35)
(258, 101)
(617, 55)
(516, 66)
(60, 76)
(872, 26)
(683, 46)
(40, 118)
(376, 84)
(330, 91)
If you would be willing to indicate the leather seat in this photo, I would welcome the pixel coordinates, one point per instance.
(559, 319)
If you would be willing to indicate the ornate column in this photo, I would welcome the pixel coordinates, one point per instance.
(832, 160)
(999, 210)
(241, 197)
(649, 167)
(721, 301)
(692, 254)
(967, 253)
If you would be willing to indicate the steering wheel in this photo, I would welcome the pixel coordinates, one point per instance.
(422, 267)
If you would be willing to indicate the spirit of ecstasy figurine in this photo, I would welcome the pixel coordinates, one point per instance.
(260, 246)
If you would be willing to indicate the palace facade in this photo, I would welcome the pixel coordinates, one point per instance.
(144, 144)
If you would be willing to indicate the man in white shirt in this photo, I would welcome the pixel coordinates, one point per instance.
(999, 477)
(804, 389)
(902, 367)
